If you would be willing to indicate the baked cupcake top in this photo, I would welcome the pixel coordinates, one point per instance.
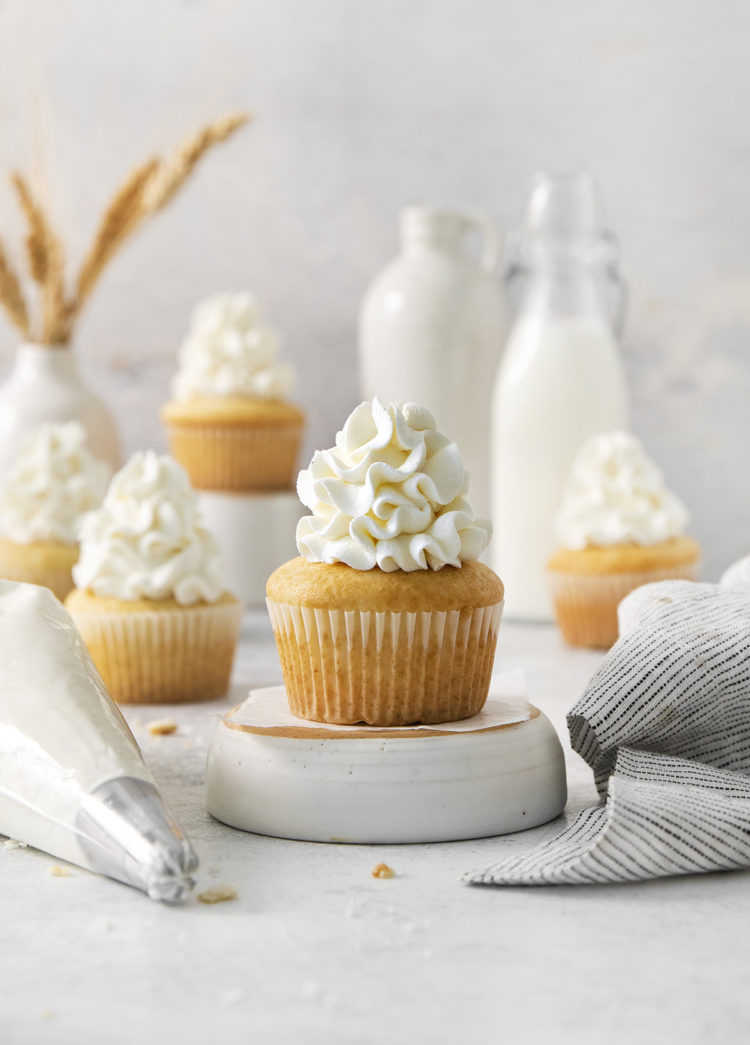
(230, 352)
(53, 482)
(391, 493)
(616, 495)
(146, 541)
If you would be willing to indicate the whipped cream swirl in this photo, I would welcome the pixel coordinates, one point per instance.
(52, 483)
(737, 575)
(390, 493)
(616, 495)
(229, 351)
(146, 541)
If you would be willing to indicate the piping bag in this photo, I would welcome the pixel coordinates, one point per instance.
(72, 778)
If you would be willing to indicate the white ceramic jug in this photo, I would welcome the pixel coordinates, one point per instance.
(45, 385)
(432, 325)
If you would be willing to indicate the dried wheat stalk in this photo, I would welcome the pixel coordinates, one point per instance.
(121, 218)
(146, 191)
(173, 173)
(46, 263)
(11, 295)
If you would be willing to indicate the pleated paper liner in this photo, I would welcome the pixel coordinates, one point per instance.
(236, 458)
(385, 669)
(49, 565)
(586, 604)
(171, 656)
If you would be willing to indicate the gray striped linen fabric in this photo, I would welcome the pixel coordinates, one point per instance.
(665, 726)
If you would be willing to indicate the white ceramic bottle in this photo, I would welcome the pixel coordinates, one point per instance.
(561, 380)
(46, 385)
(432, 325)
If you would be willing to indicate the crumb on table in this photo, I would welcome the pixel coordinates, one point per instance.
(162, 727)
(59, 872)
(383, 871)
(219, 894)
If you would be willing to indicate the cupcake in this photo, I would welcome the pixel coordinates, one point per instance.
(386, 617)
(151, 602)
(619, 528)
(53, 482)
(229, 423)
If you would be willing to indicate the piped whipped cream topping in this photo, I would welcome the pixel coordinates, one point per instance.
(229, 351)
(53, 482)
(390, 493)
(616, 495)
(146, 541)
(737, 575)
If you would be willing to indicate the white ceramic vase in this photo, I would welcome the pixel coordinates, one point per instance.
(432, 325)
(46, 385)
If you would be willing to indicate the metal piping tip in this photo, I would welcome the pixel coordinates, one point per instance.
(127, 833)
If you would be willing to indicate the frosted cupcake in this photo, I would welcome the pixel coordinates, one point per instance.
(229, 423)
(53, 482)
(386, 617)
(151, 602)
(619, 528)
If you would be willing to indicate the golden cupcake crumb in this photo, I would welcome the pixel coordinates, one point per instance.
(219, 894)
(162, 727)
(59, 872)
(383, 871)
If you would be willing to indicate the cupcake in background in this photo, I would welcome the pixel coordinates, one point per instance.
(386, 617)
(151, 600)
(229, 423)
(619, 527)
(53, 482)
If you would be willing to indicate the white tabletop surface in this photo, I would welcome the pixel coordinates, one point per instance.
(314, 949)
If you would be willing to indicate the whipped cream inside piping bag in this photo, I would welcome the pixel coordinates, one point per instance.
(390, 493)
(72, 779)
(230, 351)
(616, 495)
(53, 482)
(146, 541)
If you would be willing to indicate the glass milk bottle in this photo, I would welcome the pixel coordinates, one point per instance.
(561, 380)
(431, 328)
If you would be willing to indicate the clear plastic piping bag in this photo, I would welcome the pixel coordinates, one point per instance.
(72, 778)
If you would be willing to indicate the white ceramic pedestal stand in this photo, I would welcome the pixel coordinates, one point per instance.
(255, 532)
(274, 774)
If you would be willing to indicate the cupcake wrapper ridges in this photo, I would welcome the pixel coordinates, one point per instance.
(163, 657)
(586, 605)
(386, 668)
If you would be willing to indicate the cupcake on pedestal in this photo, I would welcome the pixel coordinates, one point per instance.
(619, 527)
(386, 617)
(231, 425)
(151, 599)
(53, 482)
(386, 627)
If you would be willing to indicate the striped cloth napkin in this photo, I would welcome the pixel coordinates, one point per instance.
(665, 726)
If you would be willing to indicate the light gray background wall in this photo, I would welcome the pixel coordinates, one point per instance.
(363, 105)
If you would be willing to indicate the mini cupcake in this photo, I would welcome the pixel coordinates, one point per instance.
(53, 482)
(619, 528)
(386, 617)
(229, 423)
(151, 602)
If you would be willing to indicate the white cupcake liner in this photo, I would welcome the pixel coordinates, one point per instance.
(385, 668)
(586, 604)
(163, 657)
(237, 458)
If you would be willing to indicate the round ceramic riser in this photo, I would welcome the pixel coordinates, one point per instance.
(425, 788)
(255, 532)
